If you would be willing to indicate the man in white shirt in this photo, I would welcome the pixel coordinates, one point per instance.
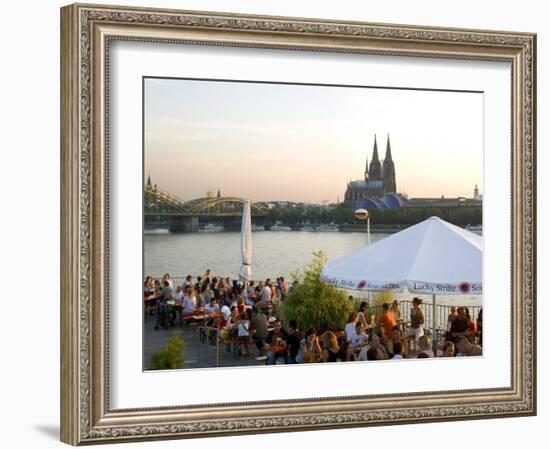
(226, 312)
(212, 307)
(265, 294)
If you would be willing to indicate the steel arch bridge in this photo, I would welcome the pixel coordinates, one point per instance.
(160, 203)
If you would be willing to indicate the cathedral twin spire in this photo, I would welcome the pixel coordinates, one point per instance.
(374, 172)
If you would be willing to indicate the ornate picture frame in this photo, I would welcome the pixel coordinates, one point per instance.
(87, 32)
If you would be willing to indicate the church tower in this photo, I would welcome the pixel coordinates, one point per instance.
(389, 171)
(367, 168)
(375, 169)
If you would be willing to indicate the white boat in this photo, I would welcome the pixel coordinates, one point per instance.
(308, 228)
(327, 228)
(278, 227)
(257, 228)
(212, 227)
(478, 229)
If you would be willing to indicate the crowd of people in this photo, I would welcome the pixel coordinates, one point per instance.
(246, 315)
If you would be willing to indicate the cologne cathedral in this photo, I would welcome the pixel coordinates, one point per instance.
(379, 178)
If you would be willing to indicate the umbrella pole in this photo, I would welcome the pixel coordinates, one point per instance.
(368, 243)
(434, 325)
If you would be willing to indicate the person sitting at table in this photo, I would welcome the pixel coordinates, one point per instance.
(189, 302)
(387, 320)
(198, 284)
(232, 320)
(397, 351)
(360, 336)
(331, 349)
(199, 293)
(349, 328)
(310, 349)
(276, 344)
(425, 345)
(472, 324)
(231, 299)
(451, 317)
(236, 287)
(216, 289)
(250, 293)
(223, 286)
(188, 282)
(460, 326)
(449, 349)
(259, 324)
(465, 348)
(167, 291)
(293, 341)
(375, 347)
(158, 286)
(166, 277)
(212, 308)
(243, 333)
(226, 314)
(396, 337)
(240, 304)
(179, 294)
(148, 286)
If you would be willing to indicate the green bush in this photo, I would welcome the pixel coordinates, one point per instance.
(314, 304)
(171, 356)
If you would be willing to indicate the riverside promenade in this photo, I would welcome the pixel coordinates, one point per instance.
(195, 353)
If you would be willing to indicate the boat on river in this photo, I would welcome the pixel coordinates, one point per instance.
(477, 229)
(327, 228)
(278, 227)
(212, 227)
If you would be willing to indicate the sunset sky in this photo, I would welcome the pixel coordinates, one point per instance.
(304, 143)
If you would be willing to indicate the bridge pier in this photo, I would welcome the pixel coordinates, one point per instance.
(183, 224)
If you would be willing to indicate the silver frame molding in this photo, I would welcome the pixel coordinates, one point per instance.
(86, 32)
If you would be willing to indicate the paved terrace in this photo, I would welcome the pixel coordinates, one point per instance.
(195, 354)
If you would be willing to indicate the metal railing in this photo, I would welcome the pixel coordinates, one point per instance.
(442, 312)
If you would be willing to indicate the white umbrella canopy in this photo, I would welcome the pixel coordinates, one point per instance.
(433, 257)
(245, 273)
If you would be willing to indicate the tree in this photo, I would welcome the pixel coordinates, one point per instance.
(314, 304)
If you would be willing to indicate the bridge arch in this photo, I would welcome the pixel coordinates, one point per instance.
(159, 202)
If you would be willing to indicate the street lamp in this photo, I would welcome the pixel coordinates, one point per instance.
(363, 214)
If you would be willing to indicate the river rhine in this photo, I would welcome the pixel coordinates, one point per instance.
(274, 254)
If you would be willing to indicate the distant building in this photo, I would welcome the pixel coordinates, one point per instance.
(443, 202)
(477, 196)
(379, 179)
